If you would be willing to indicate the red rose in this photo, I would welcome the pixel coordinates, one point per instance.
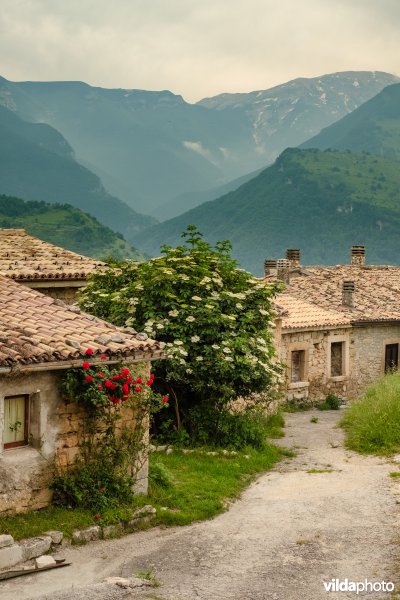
(89, 352)
(108, 383)
(139, 380)
(99, 387)
(100, 374)
(125, 372)
(116, 377)
(125, 388)
(115, 400)
(89, 378)
(164, 399)
(113, 386)
(97, 517)
(104, 357)
(152, 376)
(86, 366)
(138, 388)
(149, 382)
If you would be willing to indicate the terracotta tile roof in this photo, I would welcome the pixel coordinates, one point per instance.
(37, 329)
(300, 314)
(376, 296)
(26, 258)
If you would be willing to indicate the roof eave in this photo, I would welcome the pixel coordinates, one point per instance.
(71, 364)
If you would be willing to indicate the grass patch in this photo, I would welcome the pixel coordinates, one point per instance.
(314, 420)
(394, 474)
(293, 406)
(320, 470)
(372, 423)
(182, 487)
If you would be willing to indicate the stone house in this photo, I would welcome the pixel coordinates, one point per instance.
(54, 271)
(339, 327)
(40, 337)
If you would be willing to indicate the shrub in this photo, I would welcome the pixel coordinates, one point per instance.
(215, 319)
(332, 402)
(372, 423)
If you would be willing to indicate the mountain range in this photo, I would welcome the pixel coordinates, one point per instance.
(37, 163)
(156, 152)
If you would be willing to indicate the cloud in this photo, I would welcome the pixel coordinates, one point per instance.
(195, 48)
(199, 149)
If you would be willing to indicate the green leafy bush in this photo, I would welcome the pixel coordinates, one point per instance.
(332, 402)
(216, 321)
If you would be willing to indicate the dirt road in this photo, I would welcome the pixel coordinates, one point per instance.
(292, 530)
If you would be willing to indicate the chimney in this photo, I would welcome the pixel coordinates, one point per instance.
(358, 255)
(283, 270)
(348, 293)
(293, 256)
(269, 267)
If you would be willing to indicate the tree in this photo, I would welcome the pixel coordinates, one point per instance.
(215, 319)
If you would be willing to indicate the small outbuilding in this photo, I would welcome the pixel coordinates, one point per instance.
(54, 271)
(40, 337)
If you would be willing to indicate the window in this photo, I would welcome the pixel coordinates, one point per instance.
(16, 421)
(337, 355)
(297, 372)
(391, 357)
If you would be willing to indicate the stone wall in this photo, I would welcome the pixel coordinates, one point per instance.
(363, 360)
(55, 433)
(69, 295)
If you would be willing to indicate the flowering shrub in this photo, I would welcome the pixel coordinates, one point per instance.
(215, 318)
(118, 405)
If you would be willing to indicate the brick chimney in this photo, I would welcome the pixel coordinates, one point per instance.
(269, 267)
(283, 270)
(348, 289)
(293, 256)
(358, 255)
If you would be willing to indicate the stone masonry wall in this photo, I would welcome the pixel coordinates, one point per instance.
(364, 360)
(55, 432)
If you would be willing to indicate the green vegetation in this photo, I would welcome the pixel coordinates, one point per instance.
(215, 320)
(183, 487)
(394, 474)
(333, 198)
(314, 420)
(65, 226)
(372, 423)
(313, 471)
(332, 402)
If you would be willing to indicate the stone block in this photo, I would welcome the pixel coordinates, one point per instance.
(111, 531)
(144, 511)
(56, 536)
(33, 547)
(10, 556)
(6, 540)
(81, 536)
(44, 561)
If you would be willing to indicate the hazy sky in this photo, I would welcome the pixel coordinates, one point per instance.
(196, 48)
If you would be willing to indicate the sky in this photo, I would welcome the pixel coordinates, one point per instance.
(196, 48)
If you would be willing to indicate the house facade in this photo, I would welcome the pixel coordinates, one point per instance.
(54, 271)
(40, 338)
(340, 326)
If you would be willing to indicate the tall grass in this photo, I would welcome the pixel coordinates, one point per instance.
(372, 423)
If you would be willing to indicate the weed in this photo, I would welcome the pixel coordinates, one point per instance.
(303, 542)
(149, 576)
(332, 402)
(314, 420)
(394, 474)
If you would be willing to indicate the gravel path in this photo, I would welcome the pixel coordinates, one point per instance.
(291, 531)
